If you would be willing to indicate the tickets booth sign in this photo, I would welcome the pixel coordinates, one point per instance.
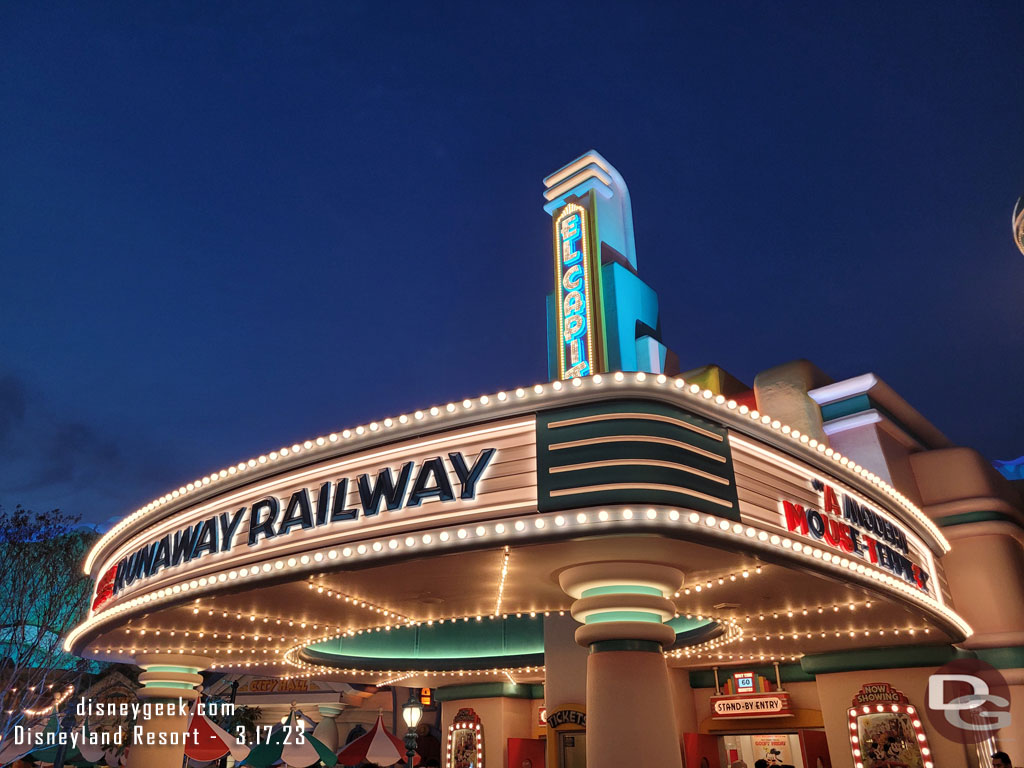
(567, 736)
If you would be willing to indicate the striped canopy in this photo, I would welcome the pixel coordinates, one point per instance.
(301, 750)
(206, 741)
(378, 746)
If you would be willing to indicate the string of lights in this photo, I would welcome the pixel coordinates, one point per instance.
(501, 582)
(54, 706)
(626, 517)
(757, 423)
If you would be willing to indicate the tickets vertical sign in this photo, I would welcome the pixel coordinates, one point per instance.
(577, 289)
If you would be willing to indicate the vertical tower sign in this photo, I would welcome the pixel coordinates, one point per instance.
(601, 316)
(577, 292)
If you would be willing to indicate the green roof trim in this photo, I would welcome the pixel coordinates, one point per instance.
(485, 639)
(1008, 657)
(981, 516)
(643, 646)
(789, 673)
(895, 657)
(490, 691)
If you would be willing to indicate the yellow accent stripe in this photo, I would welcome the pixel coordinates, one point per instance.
(637, 439)
(639, 463)
(641, 487)
(643, 416)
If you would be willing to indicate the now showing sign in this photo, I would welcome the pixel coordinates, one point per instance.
(751, 705)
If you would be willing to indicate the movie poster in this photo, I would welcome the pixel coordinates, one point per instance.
(773, 748)
(887, 741)
(463, 749)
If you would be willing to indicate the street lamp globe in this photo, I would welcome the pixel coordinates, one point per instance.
(412, 711)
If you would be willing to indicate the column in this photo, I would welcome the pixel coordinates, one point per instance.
(327, 729)
(622, 607)
(565, 678)
(169, 680)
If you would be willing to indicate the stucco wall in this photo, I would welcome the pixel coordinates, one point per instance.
(836, 692)
(501, 719)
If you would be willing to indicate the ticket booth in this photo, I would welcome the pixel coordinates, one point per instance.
(566, 737)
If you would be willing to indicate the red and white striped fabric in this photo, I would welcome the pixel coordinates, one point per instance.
(378, 746)
(206, 741)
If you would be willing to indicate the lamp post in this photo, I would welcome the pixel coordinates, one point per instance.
(412, 711)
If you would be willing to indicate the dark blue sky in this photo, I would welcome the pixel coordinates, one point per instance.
(228, 226)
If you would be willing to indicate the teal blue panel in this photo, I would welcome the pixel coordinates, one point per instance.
(847, 407)
(621, 589)
(605, 616)
(552, 325)
(627, 299)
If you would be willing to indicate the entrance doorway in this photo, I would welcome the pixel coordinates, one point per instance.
(572, 749)
(802, 749)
